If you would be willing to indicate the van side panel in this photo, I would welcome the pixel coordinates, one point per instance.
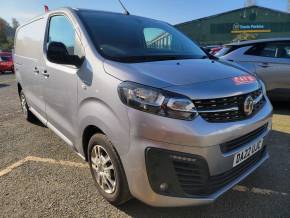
(29, 39)
(27, 58)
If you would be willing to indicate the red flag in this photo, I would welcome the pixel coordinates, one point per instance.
(239, 80)
(46, 9)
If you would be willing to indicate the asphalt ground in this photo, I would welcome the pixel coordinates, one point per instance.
(40, 176)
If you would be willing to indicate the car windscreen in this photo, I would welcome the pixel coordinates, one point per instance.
(127, 38)
(5, 58)
(222, 52)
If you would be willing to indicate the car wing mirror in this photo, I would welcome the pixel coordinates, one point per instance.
(57, 53)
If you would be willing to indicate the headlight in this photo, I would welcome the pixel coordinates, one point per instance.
(156, 101)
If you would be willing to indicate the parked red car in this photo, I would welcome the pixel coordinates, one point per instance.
(215, 50)
(6, 62)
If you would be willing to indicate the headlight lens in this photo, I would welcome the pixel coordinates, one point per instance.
(156, 101)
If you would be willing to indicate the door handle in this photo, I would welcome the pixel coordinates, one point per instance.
(45, 74)
(84, 86)
(264, 65)
(36, 71)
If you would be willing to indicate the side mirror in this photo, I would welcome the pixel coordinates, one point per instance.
(57, 53)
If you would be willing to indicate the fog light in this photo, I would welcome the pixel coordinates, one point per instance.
(164, 187)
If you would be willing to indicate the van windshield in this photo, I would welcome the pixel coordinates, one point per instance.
(127, 38)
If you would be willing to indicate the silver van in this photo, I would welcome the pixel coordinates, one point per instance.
(154, 116)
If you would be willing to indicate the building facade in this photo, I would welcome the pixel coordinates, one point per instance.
(247, 23)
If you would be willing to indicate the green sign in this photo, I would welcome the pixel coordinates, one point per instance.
(250, 28)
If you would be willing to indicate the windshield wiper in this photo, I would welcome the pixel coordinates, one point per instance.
(147, 58)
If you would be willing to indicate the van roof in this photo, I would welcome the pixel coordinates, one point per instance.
(69, 9)
(42, 15)
(98, 11)
(114, 13)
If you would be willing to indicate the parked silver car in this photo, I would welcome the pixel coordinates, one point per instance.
(153, 115)
(268, 58)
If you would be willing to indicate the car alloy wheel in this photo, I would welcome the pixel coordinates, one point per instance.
(23, 104)
(103, 168)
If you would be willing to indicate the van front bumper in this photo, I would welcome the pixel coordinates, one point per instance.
(151, 174)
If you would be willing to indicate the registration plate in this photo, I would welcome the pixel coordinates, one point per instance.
(247, 152)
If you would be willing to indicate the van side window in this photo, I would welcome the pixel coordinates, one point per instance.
(61, 30)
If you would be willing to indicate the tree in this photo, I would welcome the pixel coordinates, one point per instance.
(15, 24)
(7, 33)
(3, 37)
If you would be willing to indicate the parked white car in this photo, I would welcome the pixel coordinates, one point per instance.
(268, 58)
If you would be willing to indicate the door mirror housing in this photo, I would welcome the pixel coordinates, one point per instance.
(58, 53)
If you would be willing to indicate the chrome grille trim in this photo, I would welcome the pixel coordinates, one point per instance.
(229, 109)
(220, 110)
(258, 99)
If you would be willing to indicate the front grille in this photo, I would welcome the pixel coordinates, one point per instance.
(195, 181)
(191, 176)
(227, 109)
(231, 145)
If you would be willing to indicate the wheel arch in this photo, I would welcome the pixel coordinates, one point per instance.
(95, 116)
(19, 88)
(88, 132)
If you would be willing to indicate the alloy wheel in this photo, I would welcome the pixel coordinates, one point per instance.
(103, 168)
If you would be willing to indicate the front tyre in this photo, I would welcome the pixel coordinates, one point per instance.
(107, 171)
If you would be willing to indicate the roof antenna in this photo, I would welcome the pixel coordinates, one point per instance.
(125, 10)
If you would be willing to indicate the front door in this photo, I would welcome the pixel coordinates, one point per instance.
(61, 81)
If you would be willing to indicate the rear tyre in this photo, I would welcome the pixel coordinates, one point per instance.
(107, 171)
(25, 109)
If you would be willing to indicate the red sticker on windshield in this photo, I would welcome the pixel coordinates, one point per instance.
(240, 80)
